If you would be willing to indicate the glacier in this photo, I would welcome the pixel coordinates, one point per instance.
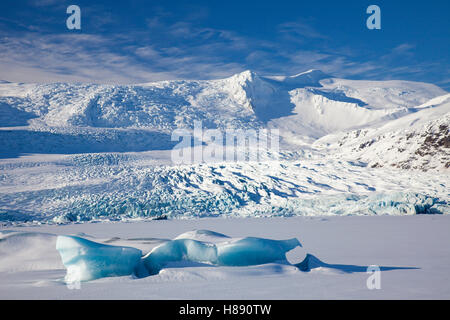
(102, 187)
(88, 260)
(94, 152)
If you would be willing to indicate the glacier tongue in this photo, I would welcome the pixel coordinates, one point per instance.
(123, 187)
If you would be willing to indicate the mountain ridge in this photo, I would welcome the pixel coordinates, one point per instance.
(307, 107)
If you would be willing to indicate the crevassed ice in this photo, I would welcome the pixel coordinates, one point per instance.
(203, 204)
(87, 260)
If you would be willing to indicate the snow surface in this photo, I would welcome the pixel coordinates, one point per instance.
(411, 252)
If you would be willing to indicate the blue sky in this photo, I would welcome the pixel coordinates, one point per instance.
(141, 41)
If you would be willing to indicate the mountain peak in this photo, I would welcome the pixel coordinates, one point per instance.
(245, 76)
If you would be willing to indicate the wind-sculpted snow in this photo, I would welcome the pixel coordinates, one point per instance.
(87, 260)
(28, 251)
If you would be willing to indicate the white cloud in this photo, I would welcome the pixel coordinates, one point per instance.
(185, 51)
(299, 30)
(93, 58)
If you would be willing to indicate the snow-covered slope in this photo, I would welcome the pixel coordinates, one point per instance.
(420, 140)
(244, 99)
(163, 105)
(53, 118)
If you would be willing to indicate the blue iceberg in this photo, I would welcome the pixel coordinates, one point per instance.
(87, 260)
(251, 251)
(180, 250)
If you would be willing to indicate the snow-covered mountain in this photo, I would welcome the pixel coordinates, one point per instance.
(242, 99)
(419, 140)
(335, 136)
(305, 107)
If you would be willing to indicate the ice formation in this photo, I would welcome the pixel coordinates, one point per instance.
(87, 260)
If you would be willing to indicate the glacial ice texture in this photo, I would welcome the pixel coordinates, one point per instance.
(122, 187)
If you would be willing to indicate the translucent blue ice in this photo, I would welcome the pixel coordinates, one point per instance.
(88, 260)
(179, 250)
(251, 251)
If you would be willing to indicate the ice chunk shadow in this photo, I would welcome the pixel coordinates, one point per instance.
(312, 262)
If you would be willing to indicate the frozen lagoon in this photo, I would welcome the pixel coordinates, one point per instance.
(412, 252)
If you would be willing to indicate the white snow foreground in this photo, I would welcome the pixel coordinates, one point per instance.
(409, 250)
(88, 260)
